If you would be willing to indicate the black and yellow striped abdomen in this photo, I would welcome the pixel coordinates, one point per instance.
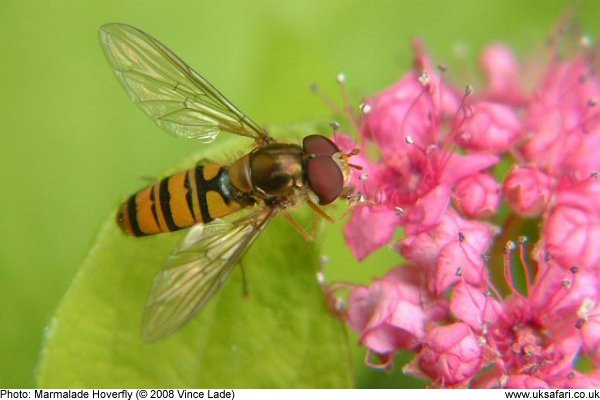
(198, 195)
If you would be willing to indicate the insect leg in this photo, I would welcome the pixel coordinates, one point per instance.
(244, 279)
(319, 211)
(297, 226)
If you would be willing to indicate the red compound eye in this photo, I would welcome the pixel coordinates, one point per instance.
(325, 178)
(319, 146)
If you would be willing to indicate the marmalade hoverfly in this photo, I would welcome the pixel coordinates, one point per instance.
(256, 187)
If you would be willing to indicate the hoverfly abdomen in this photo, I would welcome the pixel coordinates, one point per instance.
(198, 195)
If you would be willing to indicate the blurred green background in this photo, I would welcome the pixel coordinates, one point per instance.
(73, 146)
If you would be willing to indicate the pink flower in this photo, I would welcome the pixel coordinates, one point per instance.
(561, 117)
(527, 190)
(525, 381)
(532, 340)
(412, 108)
(474, 306)
(492, 127)
(451, 355)
(477, 195)
(456, 304)
(424, 247)
(417, 172)
(572, 228)
(391, 313)
(503, 73)
(589, 320)
(370, 228)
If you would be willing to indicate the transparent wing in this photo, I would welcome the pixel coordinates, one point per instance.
(177, 98)
(196, 269)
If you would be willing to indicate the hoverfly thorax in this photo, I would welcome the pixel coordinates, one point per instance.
(276, 170)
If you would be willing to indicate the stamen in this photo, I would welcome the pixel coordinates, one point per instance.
(467, 112)
(508, 266)
(325, 99)
(424, 78)
(337, 303)
(347, 106)
(365, 108)
(385, 364)
(320, 275)
(584, 310)
(526, 268)
(586, 41)
(574, 269)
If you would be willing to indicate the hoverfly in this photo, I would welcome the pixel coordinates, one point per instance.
(255, 188)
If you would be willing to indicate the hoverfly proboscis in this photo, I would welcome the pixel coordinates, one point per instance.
(252, 190)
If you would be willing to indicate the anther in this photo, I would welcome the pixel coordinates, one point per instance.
(320, 278)
(424, 78)
(365, 108)
(585, 41)
(574, 269)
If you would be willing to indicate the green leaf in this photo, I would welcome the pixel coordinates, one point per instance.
(280, 335)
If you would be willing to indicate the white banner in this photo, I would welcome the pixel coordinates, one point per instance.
(300, 394)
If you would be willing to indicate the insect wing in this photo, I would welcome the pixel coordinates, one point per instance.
(177, 98)
(196, 269)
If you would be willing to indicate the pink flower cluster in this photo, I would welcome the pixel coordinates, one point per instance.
(470, 178)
